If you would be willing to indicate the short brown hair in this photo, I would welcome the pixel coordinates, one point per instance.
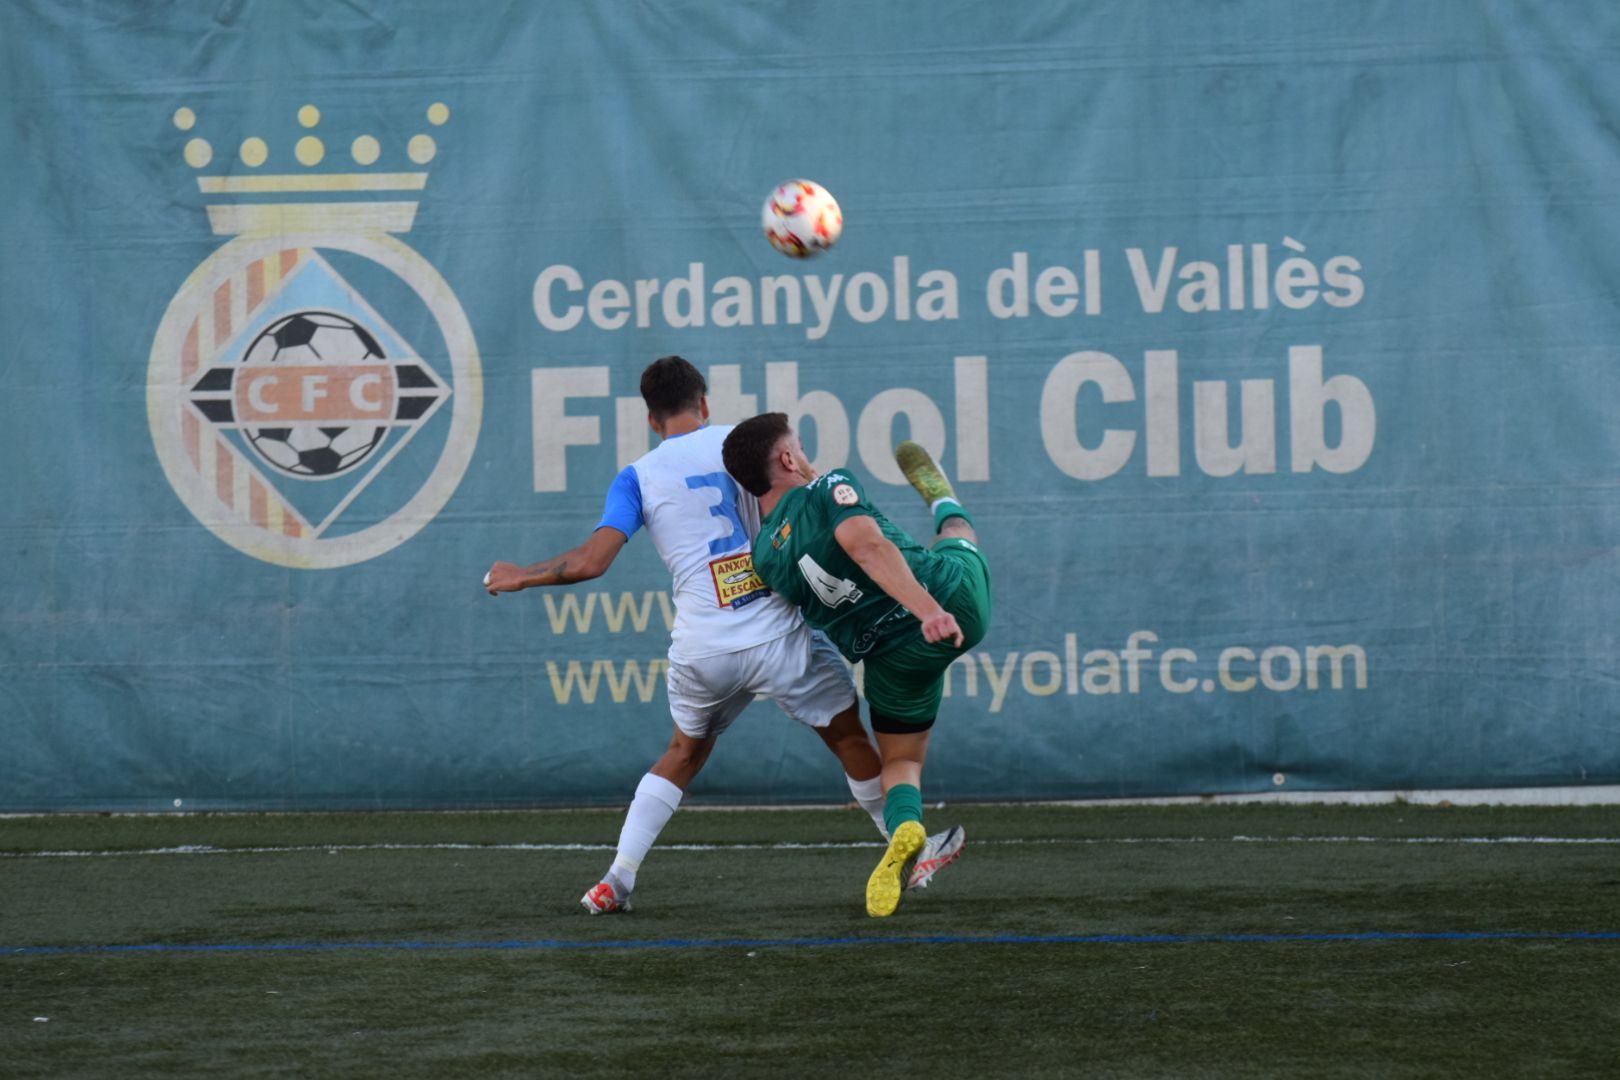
(748, 449)
(672, 385)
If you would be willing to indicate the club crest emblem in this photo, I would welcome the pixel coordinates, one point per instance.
(314, 389)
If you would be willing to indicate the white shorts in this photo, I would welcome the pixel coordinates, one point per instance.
(801, 671)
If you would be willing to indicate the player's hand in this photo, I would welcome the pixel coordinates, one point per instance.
(941, 626)
(503, 577)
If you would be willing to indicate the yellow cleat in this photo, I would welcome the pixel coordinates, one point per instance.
(884, 886)
(922, 473)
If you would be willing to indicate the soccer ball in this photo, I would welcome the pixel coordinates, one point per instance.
(802, 219)
(306, 450)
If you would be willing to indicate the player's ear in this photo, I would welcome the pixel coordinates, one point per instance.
(703, 408)
(652, 422)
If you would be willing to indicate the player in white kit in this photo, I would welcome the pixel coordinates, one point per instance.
(732, 639)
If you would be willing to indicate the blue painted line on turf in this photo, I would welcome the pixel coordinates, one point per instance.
(738, 943)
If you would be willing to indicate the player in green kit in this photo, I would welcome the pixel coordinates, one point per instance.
(906, 610)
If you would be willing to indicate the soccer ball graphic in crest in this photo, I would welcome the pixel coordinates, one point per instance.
(311, 450)
(801, 219)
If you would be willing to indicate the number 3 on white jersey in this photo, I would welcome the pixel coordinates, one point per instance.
(833, 591)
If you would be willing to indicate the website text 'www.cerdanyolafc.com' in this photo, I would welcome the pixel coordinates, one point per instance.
(1141, 664)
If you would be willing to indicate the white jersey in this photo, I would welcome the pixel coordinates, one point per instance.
(703, 526)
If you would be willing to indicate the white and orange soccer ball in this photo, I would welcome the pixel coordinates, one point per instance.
(802, 218)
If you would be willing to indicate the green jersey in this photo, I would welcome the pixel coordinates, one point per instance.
(797, 555)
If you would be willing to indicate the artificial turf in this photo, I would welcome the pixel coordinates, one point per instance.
(1135, 941)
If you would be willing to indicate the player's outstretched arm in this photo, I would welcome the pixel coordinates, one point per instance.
(876, 554)
(589, 560)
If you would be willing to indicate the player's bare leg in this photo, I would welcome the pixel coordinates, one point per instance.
(903, 756)
(683, 758)
(846, 737)
(848, 741)
(951, 521)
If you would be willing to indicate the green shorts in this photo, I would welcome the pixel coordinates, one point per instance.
(905, 684)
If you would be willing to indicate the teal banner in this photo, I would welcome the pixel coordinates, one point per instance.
(1275, 347)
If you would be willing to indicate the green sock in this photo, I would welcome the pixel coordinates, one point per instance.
(945, 509)
(903, 803)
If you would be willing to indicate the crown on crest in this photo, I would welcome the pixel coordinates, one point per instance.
(274, 201)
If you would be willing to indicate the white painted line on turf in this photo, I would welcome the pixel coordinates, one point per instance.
(824, 845)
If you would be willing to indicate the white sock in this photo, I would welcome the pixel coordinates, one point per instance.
(869, 793)
(656, 799)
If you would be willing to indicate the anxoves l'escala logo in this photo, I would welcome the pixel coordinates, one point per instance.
(299, 421)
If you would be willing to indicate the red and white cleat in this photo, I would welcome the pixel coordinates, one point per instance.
(605, 899)
(942, 849)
